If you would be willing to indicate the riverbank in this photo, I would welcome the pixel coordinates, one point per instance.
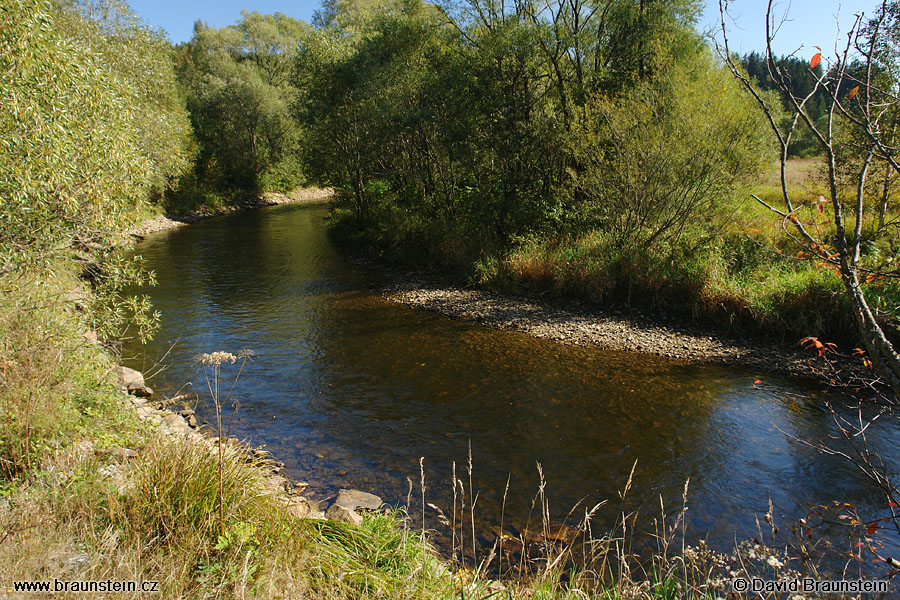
(572, 321)
(103, 482)
(119, 486)
(307, 195)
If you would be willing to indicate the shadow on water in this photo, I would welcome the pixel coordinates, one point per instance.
(350, 391)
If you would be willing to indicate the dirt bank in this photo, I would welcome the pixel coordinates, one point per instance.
(164, 222)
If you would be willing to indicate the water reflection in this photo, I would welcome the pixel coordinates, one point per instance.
(349, 390)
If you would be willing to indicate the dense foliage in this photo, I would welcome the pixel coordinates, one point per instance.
(239, 93)
(85, 133)
(458, 131)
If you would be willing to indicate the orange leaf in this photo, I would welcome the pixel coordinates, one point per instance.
(853, 93)
(758, 381)
(816, 59)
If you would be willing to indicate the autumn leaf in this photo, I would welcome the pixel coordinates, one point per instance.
(871, 528)
(853, 93)
(812, 343)
(816, 59)
(757, 382)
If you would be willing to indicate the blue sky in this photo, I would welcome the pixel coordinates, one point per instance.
(812, 22)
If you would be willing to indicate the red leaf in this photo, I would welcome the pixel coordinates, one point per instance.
(758, 381)
(816, 59)
(871, 528)
(892, 504)
(853, 93)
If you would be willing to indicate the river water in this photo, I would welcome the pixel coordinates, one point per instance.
(349, 390)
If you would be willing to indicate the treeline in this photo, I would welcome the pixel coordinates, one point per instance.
(240, 97)
(802, 81)
(473, 124)
(585, 147)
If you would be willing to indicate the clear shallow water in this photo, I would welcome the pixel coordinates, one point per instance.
(350, 391)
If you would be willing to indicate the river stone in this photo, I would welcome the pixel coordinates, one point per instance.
(134, 382)
(336, 512)
(302, 508)
(172, 423)
(354, 499)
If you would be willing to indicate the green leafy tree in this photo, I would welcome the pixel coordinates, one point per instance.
(238, 85)
(141, 58)
(72, 165)
(666, 155)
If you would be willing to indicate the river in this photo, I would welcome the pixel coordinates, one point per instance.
(349, 390)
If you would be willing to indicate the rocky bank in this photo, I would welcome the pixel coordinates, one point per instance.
(171, 421)
(582, 323)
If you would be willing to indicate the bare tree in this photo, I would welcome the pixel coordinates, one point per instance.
(858, 104)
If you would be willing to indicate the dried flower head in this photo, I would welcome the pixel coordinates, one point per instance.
(217, 358)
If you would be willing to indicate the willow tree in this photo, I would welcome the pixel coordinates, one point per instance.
(72, 165)
(141, 58)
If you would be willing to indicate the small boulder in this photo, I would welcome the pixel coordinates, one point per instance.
(354, 499)
(336, 512)
(302, 508)
(295, 488)
(173, 424)
(134, 382)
